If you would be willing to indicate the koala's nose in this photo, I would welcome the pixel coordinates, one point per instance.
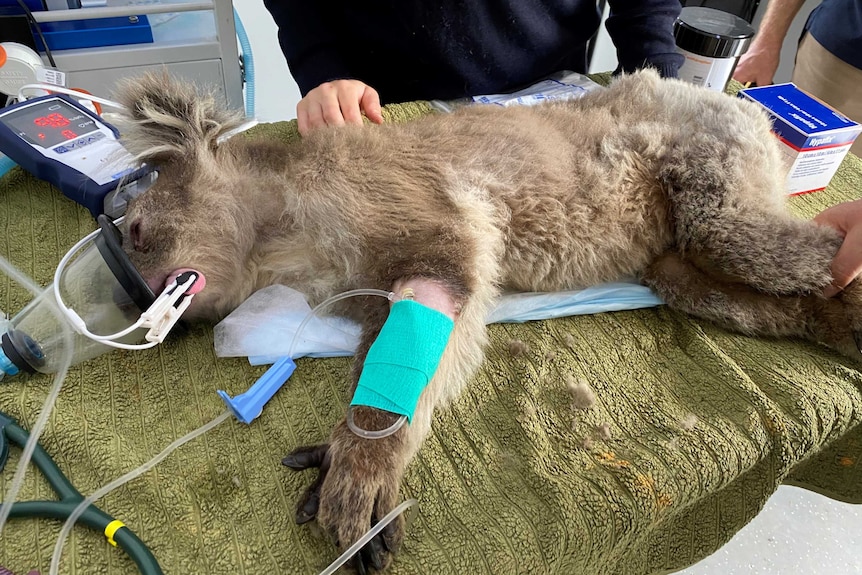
(136, 235)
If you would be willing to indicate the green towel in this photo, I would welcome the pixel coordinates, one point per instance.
(693, 428)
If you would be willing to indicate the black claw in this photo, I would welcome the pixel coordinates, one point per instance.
(358, 564)
(373, 552)
(305, 457)
(308, 510)
(388, 536)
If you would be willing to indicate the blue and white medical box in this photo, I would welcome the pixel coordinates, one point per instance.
(814, 137)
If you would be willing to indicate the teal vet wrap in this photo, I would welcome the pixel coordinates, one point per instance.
(403, 358)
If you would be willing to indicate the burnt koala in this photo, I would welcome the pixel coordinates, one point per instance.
(658, 179)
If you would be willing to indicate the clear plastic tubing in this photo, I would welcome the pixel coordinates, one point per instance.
(378, 527)
(66, 356)
(101, 492)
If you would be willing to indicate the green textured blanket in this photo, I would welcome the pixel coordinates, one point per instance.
(693, 428)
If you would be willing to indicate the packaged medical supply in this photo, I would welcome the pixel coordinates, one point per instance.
(564, 85)
(814, 137)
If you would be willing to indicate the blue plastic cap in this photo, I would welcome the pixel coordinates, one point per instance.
(6, 365)
(249, 405)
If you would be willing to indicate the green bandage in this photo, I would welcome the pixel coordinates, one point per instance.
(403, 358)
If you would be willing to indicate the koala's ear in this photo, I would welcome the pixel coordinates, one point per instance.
(167, 119)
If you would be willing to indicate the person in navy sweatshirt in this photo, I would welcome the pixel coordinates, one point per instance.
(349, 57)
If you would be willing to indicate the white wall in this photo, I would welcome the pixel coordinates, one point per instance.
(604, 53)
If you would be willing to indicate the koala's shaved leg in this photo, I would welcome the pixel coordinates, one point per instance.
(429, 293)
(742, 308)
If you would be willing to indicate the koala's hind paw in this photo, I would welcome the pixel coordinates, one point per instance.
(851, 297)
(837, 321)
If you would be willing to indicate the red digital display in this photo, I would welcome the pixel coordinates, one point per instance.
(54, 120)
(50, 122)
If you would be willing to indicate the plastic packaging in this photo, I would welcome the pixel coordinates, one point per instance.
(249, 405)
(266, 325)
(564, 85)
(261, 327)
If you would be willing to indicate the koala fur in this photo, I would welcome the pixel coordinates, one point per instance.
(658, 179)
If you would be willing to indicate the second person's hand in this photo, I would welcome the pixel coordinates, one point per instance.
(847, 265)
(337, 103)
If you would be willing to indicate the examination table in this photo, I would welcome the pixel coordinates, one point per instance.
(693, 428)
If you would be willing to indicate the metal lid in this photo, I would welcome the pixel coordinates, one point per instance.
(712, 33)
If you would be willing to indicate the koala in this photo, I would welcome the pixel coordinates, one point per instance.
(681, 187)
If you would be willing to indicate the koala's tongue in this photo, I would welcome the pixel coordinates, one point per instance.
(196, 287)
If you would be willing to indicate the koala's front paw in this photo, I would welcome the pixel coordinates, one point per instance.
(357, 484)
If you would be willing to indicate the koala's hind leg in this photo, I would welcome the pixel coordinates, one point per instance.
(836, 322)
(723, 218)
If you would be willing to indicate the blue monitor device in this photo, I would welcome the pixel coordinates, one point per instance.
(60, 141)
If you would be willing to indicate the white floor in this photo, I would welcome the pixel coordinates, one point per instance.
(797, 533)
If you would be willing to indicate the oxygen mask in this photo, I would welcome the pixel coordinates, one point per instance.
(104, 298)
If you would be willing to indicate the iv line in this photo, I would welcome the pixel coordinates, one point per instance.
(101, 492)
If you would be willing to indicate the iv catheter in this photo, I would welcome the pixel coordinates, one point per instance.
(248, 406)
(116, 532)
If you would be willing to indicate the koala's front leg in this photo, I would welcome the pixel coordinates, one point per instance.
(359, 478)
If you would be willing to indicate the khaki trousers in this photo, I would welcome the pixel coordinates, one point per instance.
(831, 80)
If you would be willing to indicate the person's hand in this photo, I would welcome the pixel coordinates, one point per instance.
(337, 103)
(757, 65)
(847, 264)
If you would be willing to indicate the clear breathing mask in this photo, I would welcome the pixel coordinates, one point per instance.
(104, 298)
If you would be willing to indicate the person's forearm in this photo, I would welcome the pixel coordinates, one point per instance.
(642, 32)
(776, 21)
(308, 41)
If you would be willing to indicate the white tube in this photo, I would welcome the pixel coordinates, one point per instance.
(69, 92)
(101, 492)
(104, 490)
(329, 301)
(378, 527)
(115, 11)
